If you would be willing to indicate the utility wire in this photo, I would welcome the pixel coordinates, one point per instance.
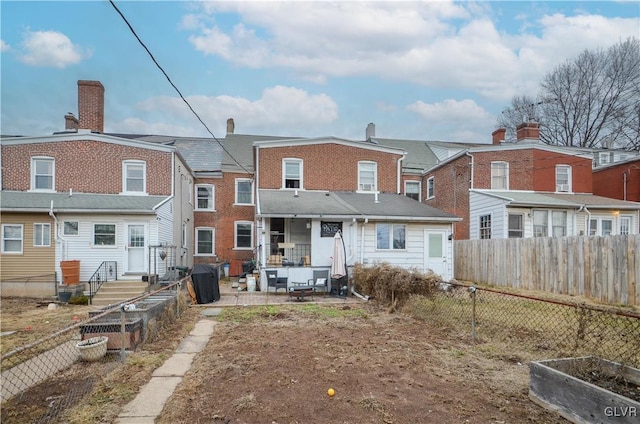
(174, 86)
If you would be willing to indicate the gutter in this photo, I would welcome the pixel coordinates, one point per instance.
(400, 159)
(470, 182)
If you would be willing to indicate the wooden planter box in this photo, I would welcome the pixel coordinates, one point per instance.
(112, 330)
(579, 401)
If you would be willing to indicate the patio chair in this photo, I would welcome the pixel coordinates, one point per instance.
(275, 282)
(320, 280)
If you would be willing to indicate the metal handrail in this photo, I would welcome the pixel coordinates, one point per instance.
(107, 271)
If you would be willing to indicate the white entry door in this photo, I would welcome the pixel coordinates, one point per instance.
(136, 248)
(435, 253)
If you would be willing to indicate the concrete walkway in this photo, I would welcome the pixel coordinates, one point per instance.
(149, 402)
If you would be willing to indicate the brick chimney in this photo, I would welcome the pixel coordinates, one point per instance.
(498, 135)
(231, 126)
(70, 122)
(91, 106)
(528, 132)
(371, 131)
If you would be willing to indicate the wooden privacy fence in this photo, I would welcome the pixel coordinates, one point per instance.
(606, 269)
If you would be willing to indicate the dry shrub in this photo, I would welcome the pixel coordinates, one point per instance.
(391, 285)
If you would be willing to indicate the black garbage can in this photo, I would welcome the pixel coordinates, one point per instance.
(205, 279)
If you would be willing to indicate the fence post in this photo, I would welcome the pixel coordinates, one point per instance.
(123, 330)
(472, 290)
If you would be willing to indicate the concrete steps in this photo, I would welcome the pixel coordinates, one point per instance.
(115, 292)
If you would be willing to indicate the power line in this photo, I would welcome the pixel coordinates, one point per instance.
(174, 86)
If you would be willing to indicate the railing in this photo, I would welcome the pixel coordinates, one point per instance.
(107, 271)
(293, 254)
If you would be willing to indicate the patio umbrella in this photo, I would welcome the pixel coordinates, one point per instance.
(338, 268)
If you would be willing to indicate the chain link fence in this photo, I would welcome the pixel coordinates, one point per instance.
(532, 328)
(43, 371)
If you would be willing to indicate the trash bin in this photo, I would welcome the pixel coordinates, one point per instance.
(70, 272)
(205, 279)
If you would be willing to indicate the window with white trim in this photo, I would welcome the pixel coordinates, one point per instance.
(516, 225)
(500, 175)
(412, 189)
(205, 241)
(485, 226)
(42, 235)
(134, 177)
(104, 235)
(292, 173)
(391, 236)
(549, 223)
(563, 178)
(205, 197)
(605, 157)
(244, 191)
(367, 176)
(600, 226)
(431, 187)
(12, 238)
(43, 171)
(625, 225)
(243, 233)
(70, 228)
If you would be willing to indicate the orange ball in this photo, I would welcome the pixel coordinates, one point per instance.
(331, 392)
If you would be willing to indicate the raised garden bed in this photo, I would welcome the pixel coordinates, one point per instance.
(112, 330)
(587, 389)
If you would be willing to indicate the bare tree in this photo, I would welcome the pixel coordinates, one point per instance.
(590, 101)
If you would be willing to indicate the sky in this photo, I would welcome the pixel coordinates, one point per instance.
(434, 70)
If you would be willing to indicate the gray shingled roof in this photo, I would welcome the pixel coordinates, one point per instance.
(202, 155)
(532, 199)
(23, 201)
(240, 146)
(328, 204)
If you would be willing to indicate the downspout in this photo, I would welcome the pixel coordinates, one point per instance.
(365, 222)
(57, 236)
(624, 185)
(588, 219)
(470, 182)
(262, 248)
(400, 159)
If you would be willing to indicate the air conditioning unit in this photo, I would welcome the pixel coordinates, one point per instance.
(366, 187)
(564, 188)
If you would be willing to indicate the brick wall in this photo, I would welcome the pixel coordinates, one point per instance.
(85, 166)
(91, 105)
(328, 166)
(609, 182)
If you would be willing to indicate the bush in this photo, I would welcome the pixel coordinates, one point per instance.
(79, 300)
(392, 286)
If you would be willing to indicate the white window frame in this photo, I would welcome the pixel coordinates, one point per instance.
(416, 183)
(45, 234)
(244, 180)
(366, 187)
(496, 168)
(562, 187)
(235, 235)
(115, 235)
(483, 229)
(213, 241)
(64, 228)
(629, 227)
(431, 187)
(293, 161)
(211, 205)
(34, 174)
(125, 168)
(549, 226)
(604, 158)
(391, 234)
(598, 230)
(5, 239)
(515, 230)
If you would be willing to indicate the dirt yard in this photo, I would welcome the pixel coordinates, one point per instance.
(275, 365)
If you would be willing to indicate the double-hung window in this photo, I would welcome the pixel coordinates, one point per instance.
(563, 178)
(243, 235)
(205, 197)
(244, 191)
(625, 225)
(549, 223)
(12, 238)
(516, 227)
(431, 187)
(42, 235)
(205, 245)
(134, 178)
(412, 189)
(367, 176)
(292, 173)
(485, 226)
(104, 234)
(391, 236)
(499, 175)
(43, 171)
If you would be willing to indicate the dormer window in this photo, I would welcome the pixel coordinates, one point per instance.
(563, 178)
(499, 175)
(134, 177)
(367, 176)
(43, 174)
(292, 173)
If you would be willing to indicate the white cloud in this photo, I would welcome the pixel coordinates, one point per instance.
(4, 47)
(437, 44)
(279, 109)
(50, 49)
